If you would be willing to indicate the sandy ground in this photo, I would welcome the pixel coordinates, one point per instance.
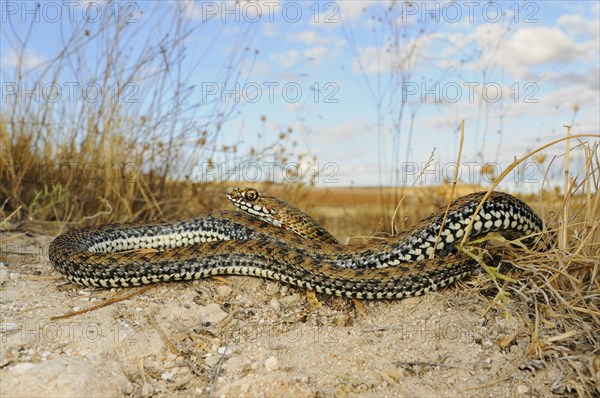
(242, 336)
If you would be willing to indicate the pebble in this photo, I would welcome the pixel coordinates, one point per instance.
(171, 357)
(211, 313)
(272, 288)
(274, 303)
(227, 350)
(212, 360)
(147, 390)
(167, 375)
(235, 362)
(127, 388)
(223, 291)
(4, 275)
(271, 364)
(288, 301)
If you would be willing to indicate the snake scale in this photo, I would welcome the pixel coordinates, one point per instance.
(265, 241)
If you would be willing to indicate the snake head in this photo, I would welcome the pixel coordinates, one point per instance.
(279, 213)
(252, 201)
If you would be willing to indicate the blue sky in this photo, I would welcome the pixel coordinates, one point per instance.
(370, 88)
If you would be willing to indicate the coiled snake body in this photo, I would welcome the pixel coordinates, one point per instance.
(239, 243)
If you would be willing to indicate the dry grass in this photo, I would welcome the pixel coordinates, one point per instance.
(72, 160)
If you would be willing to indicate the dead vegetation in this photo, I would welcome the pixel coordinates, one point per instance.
(129, 133)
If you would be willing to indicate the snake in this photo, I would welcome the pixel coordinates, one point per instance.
(274, 240)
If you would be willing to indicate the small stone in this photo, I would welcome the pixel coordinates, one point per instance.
(274, 303)
(272, 288)
(4, 275)
(235, 362)
(288, 301)
(223, 291)
(22, 367)
(147, 390)
(212, 360)
(271, 364)
(227, 350)
(522, 389)
(127, 388)
(167, 375)
(211, 313)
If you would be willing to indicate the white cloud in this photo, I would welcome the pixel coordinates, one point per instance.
(590, 78)
(553, 108)
(517, 53)
(322, 44)
(315, 53)
(577, 25)
(263, 68)
(354, 9)
(540, 45)
(28, 59)
(309, 37)
(269, 30)
(287, 58)
(312, 38)
(294, 107)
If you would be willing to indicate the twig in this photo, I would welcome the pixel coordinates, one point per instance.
(112, 300)
(163, 335)
(421, 363)
(565, 234)
(215, 377)
(429, 161)
(5, 221)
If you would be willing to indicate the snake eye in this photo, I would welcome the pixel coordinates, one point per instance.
(251, 195)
